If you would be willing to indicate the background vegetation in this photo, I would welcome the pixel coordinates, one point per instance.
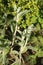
(21, 32)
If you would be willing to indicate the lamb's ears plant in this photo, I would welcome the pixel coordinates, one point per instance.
(16, 18)
(27, 34)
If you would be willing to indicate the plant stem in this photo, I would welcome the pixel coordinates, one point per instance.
(14, 34)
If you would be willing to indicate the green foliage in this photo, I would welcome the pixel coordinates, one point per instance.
(21, 30)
